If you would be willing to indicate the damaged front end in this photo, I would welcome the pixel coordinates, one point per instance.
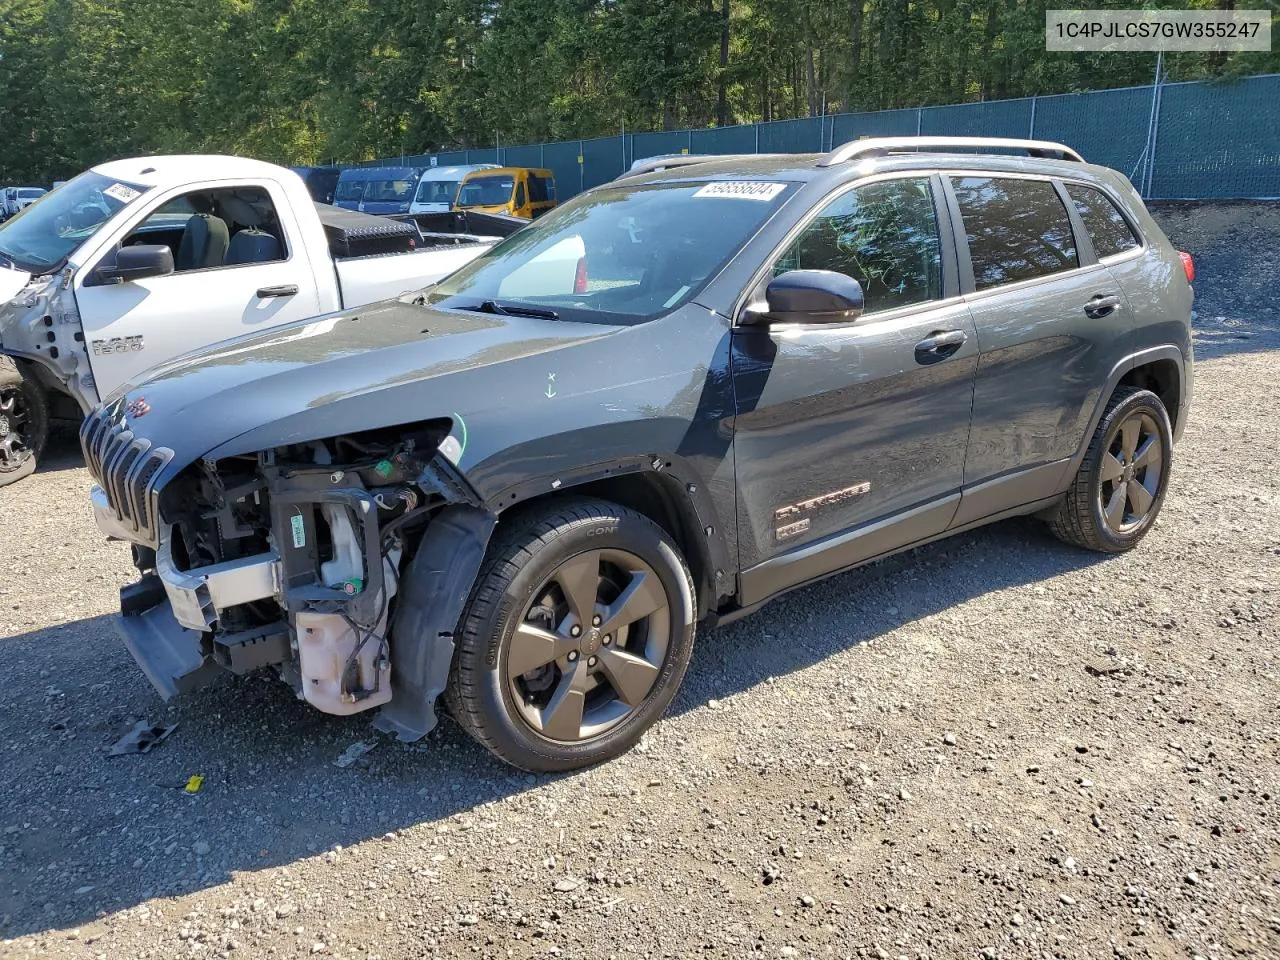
(342, 564)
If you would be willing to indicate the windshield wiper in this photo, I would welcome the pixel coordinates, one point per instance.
(516, 310)
(7, 261)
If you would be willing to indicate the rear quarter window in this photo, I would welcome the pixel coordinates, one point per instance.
(1017, 229)
(1108, 229)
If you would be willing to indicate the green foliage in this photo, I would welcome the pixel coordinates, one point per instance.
(309, 81)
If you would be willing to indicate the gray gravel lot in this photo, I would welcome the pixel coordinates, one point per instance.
(995, 746)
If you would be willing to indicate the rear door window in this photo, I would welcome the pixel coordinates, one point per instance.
(1017, 229)
(1107, 226)
(884, 235)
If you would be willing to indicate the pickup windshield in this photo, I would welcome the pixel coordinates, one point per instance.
(617, 255)
(42, 237)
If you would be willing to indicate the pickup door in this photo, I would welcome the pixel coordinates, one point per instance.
(240, 265)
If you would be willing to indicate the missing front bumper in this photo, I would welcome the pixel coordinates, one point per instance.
(173, 658)
(177, 659)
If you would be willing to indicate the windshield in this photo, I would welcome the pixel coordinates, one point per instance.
(349, 190)
(619, 254)
(29, 192)
(45, 234)
(437, 191)
(486, 191)
(388, 191)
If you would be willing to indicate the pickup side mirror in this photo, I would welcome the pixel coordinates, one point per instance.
(809, 296)
(137, 263)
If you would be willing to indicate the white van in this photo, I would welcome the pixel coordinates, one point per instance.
(439, 186)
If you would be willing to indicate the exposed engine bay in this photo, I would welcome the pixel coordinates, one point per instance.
(292, 559)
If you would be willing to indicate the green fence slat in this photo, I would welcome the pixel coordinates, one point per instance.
(995, 118)
(792, 136)
(1218, 141)
(646, 145)
(1107, 127)
(883, 123)
(1213, 140)
(739, 139)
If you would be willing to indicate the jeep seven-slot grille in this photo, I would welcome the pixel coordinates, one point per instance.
(125, 466)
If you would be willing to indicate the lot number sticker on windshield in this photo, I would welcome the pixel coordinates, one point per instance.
(118, 191)
(742, 189)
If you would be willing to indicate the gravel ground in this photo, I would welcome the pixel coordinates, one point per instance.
(995, 746)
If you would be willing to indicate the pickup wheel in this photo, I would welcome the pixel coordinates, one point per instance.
(24, 422)
(576, 636)
(1117, 492)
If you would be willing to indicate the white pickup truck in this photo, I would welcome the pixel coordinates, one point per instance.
(136, 262)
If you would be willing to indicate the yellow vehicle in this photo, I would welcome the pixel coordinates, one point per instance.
(516, 191)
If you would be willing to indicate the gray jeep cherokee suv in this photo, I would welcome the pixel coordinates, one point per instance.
(670, 400)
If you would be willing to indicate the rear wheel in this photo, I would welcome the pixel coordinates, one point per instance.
(24, 423)
(1120, 486)
(576, 637)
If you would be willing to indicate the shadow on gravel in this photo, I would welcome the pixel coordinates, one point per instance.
(812, 624)
(1224, 339)
(83, 834)
(62, 451)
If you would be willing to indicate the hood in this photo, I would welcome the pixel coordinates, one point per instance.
(387, 364)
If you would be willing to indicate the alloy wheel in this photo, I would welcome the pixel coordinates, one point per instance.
(590, 647)
(1131, 473)
(14, 421)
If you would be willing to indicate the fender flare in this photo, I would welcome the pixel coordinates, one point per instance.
(1166, 351)
(686, 490)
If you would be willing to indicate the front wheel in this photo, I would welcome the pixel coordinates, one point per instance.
(576, 637)
(24, 423)
(1117, 492)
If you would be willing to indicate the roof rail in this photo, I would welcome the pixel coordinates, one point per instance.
(883, 146)
(654, 164)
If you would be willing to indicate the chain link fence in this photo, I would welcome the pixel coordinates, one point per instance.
(1185, 141)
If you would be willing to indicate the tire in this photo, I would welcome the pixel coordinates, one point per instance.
(24, 422)
(1089, 516)
(616, 678)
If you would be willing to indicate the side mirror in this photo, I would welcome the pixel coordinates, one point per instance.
(137, 263)
(810, 296)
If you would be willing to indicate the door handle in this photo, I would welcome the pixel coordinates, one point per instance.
(939, 345)
(284, 290)
(1101, 305)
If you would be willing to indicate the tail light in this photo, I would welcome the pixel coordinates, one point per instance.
(1188, 265)
(580, 276)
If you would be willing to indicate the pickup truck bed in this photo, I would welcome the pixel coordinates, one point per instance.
(369, 252)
